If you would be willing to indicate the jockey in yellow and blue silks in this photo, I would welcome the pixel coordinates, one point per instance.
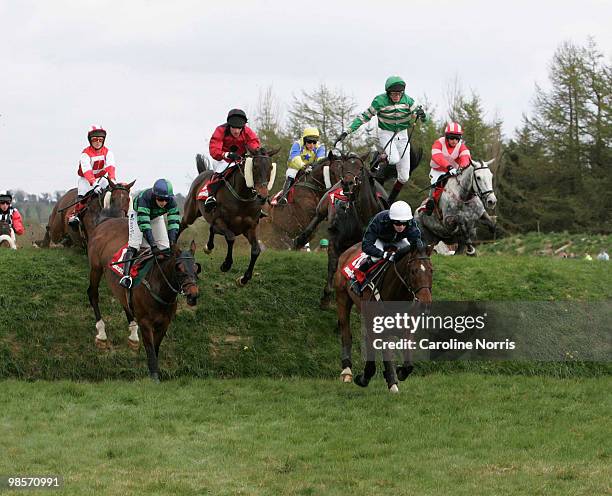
(303, 154)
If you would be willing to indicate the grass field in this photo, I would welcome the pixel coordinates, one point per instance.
(459, 434)
(251, 403)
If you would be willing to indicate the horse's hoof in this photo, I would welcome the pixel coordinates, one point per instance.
(226, 266)
(394, 389)
(101, 344)
(360, 381)
(471, 251)
(404, 372)
(134, 345)
(207, 250)
(347, 375)
(240, 283)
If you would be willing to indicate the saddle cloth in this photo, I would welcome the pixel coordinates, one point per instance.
(276, 197)
(139, 268)
(204, 192)
(351, 270)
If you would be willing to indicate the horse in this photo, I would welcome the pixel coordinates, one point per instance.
(58, 230)
(238, 208)
(150, 306)
(290, 219)
(463, 202)
(6, 240)
(408, 278)
(347, 223)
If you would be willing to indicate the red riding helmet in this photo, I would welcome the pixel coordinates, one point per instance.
(453, 129)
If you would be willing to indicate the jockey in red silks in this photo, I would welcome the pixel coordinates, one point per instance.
(12, 217)
(96, 162)
(448, 155)
(228, 145)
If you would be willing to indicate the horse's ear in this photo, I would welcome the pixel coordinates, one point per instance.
(111, 183)
(192, 247)
(489, 162)
(129, 185)
(274, 151)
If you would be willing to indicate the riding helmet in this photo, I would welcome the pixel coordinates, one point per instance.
(395, 83)
(162, 189)
(97, 131)
(237, 118)
(400, 211)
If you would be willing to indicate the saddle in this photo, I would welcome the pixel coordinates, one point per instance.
(353, 272)
(140, 268)
(215, 179)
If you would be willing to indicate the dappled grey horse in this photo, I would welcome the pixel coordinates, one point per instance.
(463, 203)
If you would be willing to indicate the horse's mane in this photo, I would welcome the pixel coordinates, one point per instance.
(110, 213)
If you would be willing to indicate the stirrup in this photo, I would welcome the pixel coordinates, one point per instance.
(126, 282)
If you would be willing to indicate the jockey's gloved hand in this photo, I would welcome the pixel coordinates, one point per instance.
(453, 172)
(156, 252)
(308, 169)
(97, 189)
(420, 113)
(389, 256)
(232, 156)
(340, 138)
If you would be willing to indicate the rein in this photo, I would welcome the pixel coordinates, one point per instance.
(407, 285)
(180, 291)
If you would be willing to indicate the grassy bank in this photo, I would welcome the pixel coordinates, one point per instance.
(463, 434)
(271, 328)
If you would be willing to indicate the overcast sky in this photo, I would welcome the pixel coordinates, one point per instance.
(160, 75)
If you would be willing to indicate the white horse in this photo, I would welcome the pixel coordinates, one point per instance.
(463, 202)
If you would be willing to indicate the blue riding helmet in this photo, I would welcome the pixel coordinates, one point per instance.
(162, 189)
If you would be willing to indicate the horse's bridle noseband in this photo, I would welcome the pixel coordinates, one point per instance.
(407, 285)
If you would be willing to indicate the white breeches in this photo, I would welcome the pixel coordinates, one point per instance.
(434, 175)
(291, 173)
(158, 228)
(384, 246)
(398, 152)
(12, 241)
(219, 165)
(84, 187)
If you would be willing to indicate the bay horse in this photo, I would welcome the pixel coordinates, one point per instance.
(238, 209)
(463, 203)
(408, 278)
(151, 305)
(5, 235)
(347, 224)
(288, 220)
(58, 230)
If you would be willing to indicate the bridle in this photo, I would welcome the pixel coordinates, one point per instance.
(408, 286)
(475, 186)
(187, 282)
(240, 166)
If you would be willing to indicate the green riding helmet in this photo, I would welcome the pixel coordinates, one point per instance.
(323, 243)
(395, 83)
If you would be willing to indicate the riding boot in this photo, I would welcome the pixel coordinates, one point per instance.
(431, 203)
(358, 287)
(213, 188)
(126, 280)
(283, 197)
(74, 220)
(397, 187)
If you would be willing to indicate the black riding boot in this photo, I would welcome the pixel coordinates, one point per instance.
(357, 286)
(211, 201)
(397, 187)
(126, 280)
(431, 203)
(283, 197)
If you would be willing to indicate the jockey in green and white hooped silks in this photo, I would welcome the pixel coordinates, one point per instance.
(147, 226)
(303, 154)
(396, 114)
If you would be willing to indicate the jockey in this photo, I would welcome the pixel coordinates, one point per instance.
(96, 162)
(11, 216)
(396, 114)
(388, 231)
(228, 145)
(303, 154)
(448, 155)
(147, 227)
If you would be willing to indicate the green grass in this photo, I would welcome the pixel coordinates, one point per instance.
(271, 328)
(548, 243)
(462, 434)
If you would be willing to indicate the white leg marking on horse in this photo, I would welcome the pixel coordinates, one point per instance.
(101, 328)
(133, 328)
(347, 375)
(422, 268)
(394, 389)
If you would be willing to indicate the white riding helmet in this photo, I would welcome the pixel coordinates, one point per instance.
(400, 211)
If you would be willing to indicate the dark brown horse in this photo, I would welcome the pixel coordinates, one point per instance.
(286, 221)
(238, 209)
(409, 278)
(150, 306)
(347, 224)
(58, 230)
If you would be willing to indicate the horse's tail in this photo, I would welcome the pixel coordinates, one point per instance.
(202, 163)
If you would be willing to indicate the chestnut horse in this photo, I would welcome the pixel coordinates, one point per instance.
(286, 221)
(58, 230)
(238, 209)
(408, 278)
(150, 306)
